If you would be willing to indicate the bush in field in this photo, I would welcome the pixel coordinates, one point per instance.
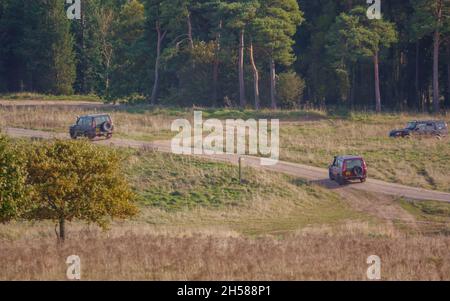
(290, 89)
(12, 181)
(77, 180)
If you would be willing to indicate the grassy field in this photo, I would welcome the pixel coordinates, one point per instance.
(420, 162)
(143, 253)
(188, 191)
(308, 137)
(198, 222)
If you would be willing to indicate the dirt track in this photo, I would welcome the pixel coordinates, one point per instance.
(314, 174)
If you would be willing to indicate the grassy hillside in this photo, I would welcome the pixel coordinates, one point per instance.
(202, 193)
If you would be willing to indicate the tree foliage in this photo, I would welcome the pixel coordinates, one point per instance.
(165, 50)
(13, 191)
(77, 180)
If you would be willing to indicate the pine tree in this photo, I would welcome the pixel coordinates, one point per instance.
(354, 36)
(432, 17)
(276, 28)
(48, 47)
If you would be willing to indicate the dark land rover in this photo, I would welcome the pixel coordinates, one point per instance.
(92, 126)
(436, 128)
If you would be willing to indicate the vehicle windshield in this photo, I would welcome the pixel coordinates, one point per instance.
(354, 163)
(411, 125)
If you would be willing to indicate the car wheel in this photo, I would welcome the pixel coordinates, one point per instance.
(89, 136)
(340, 180)
(362, 180)
(73, 136)
(330, 175)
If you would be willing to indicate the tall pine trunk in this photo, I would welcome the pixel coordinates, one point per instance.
(417, 77)
(255, 77)
(448, 73)
(273, 85)
(353, 87)
(436, 42)
(377, 83)
(157, 63)
(83, 49)
(242, 99)
(216, 65)
(190, 37)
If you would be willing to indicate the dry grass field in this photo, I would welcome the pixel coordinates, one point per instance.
(147, 253)
(420, 162)
(198, 222)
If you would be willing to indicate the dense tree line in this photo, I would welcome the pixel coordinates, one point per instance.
(248, 53)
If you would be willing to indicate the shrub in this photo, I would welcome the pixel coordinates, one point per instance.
(290, 89)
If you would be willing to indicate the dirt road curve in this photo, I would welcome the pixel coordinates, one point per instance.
(314, 174)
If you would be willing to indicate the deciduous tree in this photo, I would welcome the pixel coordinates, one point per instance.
(77, 180)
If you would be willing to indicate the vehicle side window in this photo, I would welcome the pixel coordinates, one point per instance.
(339, 163)
(84, 121)
(430, 126)
(421, 126)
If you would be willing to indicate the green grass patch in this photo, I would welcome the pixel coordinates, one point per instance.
(194, 192)
(433, 217)
(49, 97)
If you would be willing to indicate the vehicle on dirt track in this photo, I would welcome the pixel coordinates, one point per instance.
(348, 168)
(436, 128)
(92, 126)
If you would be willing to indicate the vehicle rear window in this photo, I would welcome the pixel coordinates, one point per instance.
(440, 125)
(101, 119)
(352, 163)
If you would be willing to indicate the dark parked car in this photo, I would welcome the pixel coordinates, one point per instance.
(92, 126)
(436, 128)
(347, 168)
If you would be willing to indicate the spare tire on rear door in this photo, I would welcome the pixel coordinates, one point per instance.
(358, 171)
(106, 126)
